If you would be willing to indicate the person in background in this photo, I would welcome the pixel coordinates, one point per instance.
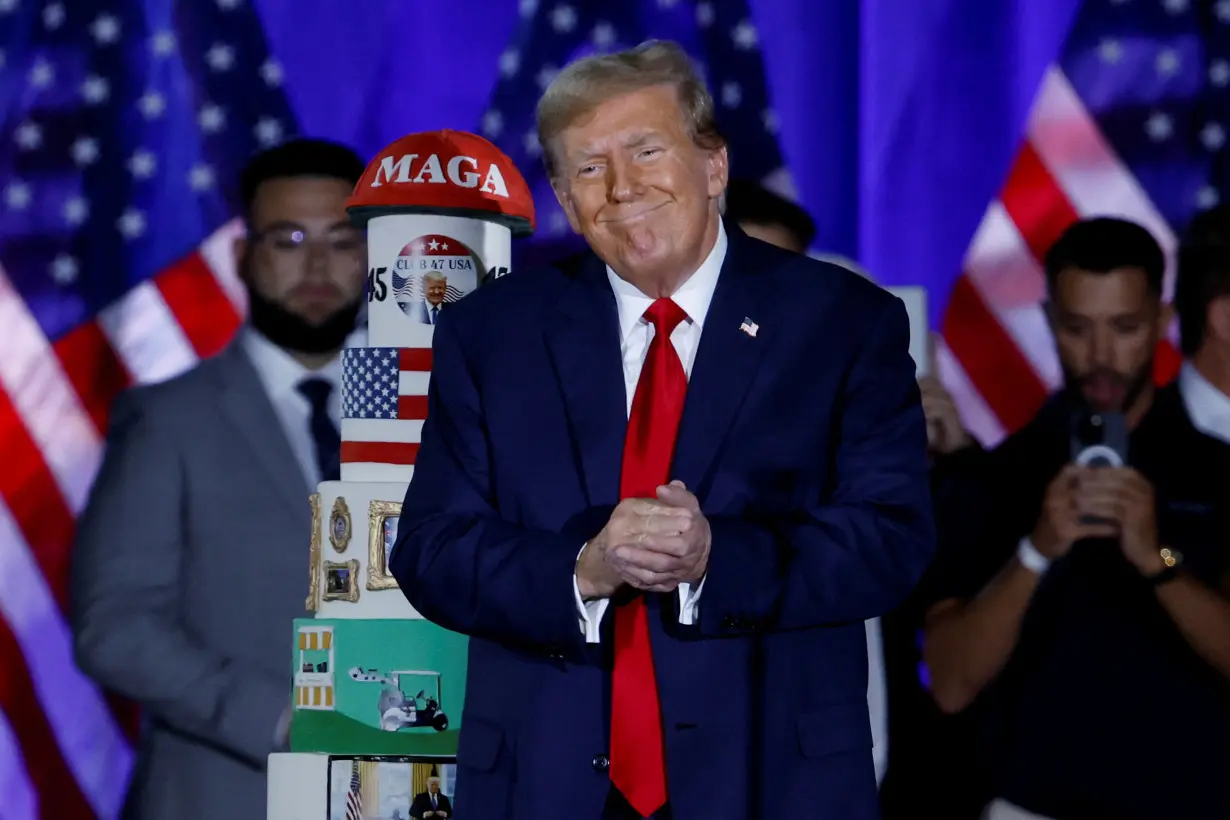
(435, 288)
(431, 803)
(189, 566)
(665, 599)
(1081, 611)
(1202, 301)
(769, 216)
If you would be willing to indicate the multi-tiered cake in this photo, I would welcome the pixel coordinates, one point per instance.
(378, 690)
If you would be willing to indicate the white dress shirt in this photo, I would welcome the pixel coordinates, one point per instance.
(281, 376)
(1208, 407)
(635, 334)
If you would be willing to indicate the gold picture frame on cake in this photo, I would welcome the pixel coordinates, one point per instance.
(339, 525)
(382, 532)
(341, 581)
(313, 597)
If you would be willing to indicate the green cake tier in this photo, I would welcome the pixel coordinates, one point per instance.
(386, 687)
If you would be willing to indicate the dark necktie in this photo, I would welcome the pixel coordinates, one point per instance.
(435, 311)
(328, 443)
(638, 763)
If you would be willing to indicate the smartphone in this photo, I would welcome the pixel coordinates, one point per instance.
(1099, 440)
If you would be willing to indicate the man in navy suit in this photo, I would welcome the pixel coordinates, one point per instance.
(663, 491)
(435, 287)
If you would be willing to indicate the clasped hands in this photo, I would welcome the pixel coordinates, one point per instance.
(1101, 502)
(651, 544)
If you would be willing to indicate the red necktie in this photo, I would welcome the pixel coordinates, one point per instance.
(638, 760)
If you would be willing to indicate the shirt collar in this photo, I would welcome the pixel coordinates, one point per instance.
(1208, 407)
(280, 372)
(694, 296)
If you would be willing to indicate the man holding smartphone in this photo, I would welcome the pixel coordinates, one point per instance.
(1080, 607)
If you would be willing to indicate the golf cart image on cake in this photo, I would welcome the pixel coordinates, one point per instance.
(398, 708)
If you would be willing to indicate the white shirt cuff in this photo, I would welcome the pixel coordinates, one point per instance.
(589, 614)
(688, 599)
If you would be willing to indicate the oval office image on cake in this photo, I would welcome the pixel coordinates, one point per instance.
(615, 410)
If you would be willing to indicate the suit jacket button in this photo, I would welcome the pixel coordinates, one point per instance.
(601, 763)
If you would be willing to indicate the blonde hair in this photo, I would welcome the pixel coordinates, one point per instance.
(587, 83)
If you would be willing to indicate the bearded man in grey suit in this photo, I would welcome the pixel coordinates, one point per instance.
(192, 556)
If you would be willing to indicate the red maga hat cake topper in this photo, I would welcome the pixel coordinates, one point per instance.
(444, 171)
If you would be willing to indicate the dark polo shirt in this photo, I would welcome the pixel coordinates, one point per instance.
(1103, 710)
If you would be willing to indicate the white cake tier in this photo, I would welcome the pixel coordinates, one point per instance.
(355, 524)
(412, 257)
(298, 787)
(384, 403)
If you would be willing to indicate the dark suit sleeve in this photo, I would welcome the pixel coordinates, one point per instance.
(859, 550)
(458, 563)
(126, 579)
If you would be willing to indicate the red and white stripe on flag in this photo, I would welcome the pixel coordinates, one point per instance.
(384, 403)
(65, 747)
(997, 354)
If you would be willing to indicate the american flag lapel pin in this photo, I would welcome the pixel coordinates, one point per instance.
(749, 327)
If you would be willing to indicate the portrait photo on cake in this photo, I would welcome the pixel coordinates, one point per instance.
(391, 788)
(432, 272)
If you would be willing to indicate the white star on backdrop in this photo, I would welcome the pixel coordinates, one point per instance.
(211, 118)
(1213, 136)
(105, 29)
(268, 131)
(201, 177)
(53, 16)
(493, 124)
(271, 73)
(603, 35)
(545, 76)
(84, 151)
(152, 105)
(1159, 127)
(17, 195)
(64, 269)
(732, 95)
(563, 19)
(142, 164)
(95, 90)
(220, 57)
(163, 43)
(745, 36)
(131, 223)
(510, 62)
(75, 211)
(531, 144)
(28, 136)
(42, 74)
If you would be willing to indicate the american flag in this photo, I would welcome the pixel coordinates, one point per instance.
(124, 127)
(354, 798)
(1131, 121)
(381, 386)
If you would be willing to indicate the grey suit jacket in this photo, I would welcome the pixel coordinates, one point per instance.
(190, 566)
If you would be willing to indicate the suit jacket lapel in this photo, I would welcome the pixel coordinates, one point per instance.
(246, 405)
(583, 341)
(726, 363)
